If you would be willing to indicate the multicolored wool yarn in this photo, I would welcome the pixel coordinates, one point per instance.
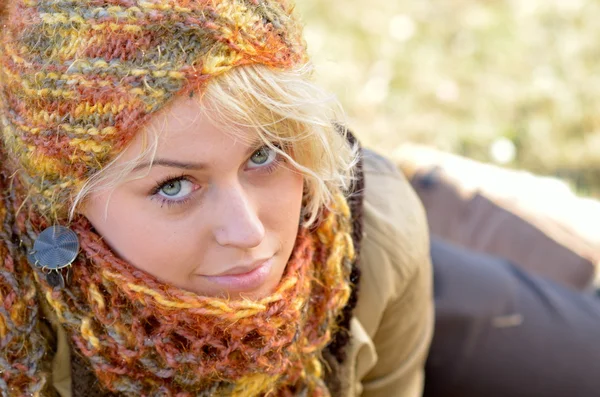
(143, 337)
(77, 80)
(80, 77)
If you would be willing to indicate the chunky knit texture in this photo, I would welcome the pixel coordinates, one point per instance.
(78, 78)
(143, 337)
(146, 338)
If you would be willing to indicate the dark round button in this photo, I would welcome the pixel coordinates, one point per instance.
(56, 247)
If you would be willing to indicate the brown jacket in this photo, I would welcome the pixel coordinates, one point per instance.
(393, 322)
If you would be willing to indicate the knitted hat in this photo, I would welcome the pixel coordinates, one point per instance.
(79, 78)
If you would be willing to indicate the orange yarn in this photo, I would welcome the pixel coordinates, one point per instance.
(144, 337)
(77, 80)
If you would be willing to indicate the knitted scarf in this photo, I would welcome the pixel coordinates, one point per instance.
(146, 338)
(77, 80)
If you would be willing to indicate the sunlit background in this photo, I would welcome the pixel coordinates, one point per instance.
(511, 82)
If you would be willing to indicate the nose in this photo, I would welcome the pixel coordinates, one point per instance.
(237, 221)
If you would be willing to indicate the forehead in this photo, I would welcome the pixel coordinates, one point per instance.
(186, 131)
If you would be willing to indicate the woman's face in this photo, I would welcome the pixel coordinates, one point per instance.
(213, 215)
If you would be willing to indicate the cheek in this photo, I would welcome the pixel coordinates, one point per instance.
(122, 230)
(173, 250)
(282, 207)
(141, 240)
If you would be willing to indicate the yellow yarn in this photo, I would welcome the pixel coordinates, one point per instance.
(97, 297)
(254, 385)
(88, 334)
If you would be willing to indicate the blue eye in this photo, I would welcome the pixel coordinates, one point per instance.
(262, 157)
(171, 188)
(175, 189)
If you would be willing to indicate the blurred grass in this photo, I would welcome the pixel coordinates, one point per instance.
(460, 75)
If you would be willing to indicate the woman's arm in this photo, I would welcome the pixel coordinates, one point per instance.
(396, 299)
(402, 342)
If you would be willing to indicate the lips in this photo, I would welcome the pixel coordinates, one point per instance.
(244, 278)
(243, 269)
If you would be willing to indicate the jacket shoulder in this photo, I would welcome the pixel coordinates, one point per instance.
(395, 244)
(395, 302)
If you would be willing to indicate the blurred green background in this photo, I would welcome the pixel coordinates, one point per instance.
(514, 82)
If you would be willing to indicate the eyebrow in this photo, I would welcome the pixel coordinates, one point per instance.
(171, 164)
(183, 165)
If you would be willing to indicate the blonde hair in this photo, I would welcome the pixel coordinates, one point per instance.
(289, 113)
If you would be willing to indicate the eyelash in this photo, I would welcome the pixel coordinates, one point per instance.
(165, 201)
(171, 203)
(269, 169)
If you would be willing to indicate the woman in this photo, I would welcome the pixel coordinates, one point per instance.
(181, 216)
